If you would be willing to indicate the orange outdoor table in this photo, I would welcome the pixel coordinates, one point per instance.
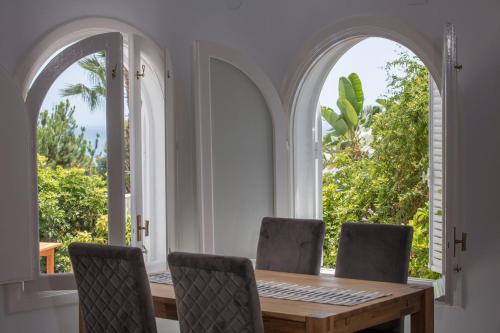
(48, 250)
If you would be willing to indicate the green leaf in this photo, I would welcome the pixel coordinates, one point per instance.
(383, 102)
(329, 115)
(358, 91)
(339, 128)
(346, 91)
(348, 112)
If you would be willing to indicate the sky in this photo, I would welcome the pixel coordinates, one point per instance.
(368, 59)
(93, 121)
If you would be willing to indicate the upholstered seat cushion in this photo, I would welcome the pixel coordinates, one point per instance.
(290, 245)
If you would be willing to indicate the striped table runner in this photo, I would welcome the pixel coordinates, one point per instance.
(295, 292)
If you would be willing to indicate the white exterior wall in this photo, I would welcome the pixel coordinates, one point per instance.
(272, 33)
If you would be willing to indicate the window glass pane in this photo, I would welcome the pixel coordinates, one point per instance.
(126, 145)
(72, 165)
(375, 127)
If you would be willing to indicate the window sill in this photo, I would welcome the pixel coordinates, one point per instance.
(49, 291)
(413, 280)
(45, 292)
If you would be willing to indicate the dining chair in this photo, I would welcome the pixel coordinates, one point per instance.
(377, 252)
(290, 245)
(113, 288)
(215, 293)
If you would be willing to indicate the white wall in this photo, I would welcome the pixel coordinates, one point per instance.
(272, 33)
(242, 149)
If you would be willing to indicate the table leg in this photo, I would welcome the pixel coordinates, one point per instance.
(423, 320)
(81, 324)
(50, 261)
(318, 325)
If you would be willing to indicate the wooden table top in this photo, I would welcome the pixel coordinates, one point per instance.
(300, 311)
(49, 246)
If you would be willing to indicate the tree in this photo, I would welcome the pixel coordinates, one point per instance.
(72, 208)
(70, 200)
(61, 140)
(95, 96)
(389, 184)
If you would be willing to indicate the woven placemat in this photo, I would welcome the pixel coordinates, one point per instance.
(295, 292)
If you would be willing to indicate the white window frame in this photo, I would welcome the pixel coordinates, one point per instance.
(453, 176)
(59, 289)
(152, 149)
(38, 292)
(301, 95)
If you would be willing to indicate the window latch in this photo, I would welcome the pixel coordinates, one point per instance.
(462, 242)
(139, 74)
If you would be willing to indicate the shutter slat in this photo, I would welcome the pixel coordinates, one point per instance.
(436, 171)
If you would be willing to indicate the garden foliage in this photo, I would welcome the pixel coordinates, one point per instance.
(383, 178)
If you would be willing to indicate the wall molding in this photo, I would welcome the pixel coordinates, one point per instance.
(203, 52)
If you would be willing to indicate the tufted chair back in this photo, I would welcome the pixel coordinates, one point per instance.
(113, 288)
(215, 294)
(378, 252)
(290, 245)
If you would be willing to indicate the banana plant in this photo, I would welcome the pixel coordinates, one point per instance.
(351, 116)
(350, 104)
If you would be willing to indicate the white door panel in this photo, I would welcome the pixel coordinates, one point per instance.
(16, 218)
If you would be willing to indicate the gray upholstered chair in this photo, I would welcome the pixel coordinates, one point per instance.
(113, 288)
(290, 245)
(215, 294)
(377, 252)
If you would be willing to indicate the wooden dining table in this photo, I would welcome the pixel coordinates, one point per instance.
(297, 316)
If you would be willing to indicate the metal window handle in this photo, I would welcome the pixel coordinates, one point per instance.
(141, 227)
(456, 241)
(146, 228)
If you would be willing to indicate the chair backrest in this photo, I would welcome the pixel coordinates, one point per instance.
(378, 252)
(290, 245)
(215, 293)
(113, 288)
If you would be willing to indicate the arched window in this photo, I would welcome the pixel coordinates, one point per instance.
(306, 134)
(101, 76)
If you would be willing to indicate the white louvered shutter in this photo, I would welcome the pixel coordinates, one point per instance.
(436, 176)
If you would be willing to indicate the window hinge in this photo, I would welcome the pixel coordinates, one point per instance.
(114, 72)
(462, 242)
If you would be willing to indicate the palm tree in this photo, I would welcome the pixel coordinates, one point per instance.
(95, 96)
